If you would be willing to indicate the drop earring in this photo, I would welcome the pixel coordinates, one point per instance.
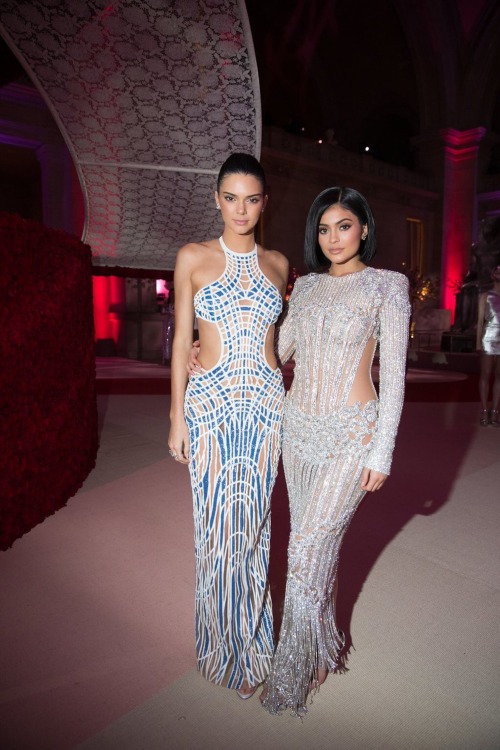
(217, 207)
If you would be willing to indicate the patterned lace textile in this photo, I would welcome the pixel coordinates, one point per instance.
(234, 414)
(151, 97)
(491, 336)
(326, 443)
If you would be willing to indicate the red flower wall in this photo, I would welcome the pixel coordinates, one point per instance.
(47, 376)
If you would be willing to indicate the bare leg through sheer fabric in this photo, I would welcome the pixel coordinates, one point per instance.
(233, 411)
(246, 692)
(494, 416)
(324, 495)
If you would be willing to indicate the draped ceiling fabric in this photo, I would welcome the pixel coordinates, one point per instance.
(151, 96)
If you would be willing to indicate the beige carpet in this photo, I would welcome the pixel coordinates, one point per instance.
(97, 605)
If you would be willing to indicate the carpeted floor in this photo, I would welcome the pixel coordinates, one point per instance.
(97, 603)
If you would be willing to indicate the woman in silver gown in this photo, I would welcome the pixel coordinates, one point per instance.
(338, 436)
(488, 342)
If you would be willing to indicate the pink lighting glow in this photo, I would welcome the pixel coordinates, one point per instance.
(459, 210)
(101, 307)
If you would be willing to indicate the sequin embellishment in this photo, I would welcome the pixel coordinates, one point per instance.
(326, 445)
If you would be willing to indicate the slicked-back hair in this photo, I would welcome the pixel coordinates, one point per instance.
(350, 199)
(240, 163)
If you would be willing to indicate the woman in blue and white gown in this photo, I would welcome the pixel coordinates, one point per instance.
(226, 423)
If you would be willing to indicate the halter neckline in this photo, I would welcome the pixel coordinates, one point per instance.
(233, 252)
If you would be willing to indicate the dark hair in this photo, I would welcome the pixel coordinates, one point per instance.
(240, 163)
(354, 202)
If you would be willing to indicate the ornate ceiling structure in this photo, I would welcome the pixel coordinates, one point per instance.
(151, 96)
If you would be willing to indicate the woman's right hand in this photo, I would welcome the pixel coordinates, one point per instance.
(193, 366)
(178, 442)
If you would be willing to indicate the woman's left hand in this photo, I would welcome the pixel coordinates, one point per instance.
(193, 366)
(372, 480)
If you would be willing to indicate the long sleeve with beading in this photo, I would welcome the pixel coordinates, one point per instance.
(286, 330)
(393, 343)
(324, 314)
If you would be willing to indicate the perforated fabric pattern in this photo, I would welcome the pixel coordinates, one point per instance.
(234, 413)
(151, 97)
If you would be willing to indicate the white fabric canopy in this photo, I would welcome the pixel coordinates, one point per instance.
(151, 97)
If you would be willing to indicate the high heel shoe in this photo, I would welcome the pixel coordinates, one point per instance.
(484, 418)
(494, 420)
(319, 679)
(244, 695)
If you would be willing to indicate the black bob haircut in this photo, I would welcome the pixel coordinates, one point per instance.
(240, 163)
(350, 199)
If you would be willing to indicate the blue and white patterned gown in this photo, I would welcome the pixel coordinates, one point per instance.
(234, 414)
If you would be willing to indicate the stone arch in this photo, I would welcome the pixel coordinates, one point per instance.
(452, 55)
(479, 101)
(431, 35)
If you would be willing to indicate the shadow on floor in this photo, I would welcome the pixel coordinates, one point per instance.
(427, 461)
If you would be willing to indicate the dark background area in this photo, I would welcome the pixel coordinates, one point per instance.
(322, 66)
(346, 65)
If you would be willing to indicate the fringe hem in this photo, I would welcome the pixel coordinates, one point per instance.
(309, 641)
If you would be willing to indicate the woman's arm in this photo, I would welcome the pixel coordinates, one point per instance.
(393, 338)
(178, 439)
(286, 329)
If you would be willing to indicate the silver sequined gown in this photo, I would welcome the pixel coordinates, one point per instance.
(491, 335)
(327, 441)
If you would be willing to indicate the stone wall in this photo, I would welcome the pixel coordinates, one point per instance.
(298, 169)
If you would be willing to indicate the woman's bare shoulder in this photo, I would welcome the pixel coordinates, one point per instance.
(276, 258)
(199, 247)
(196, 251)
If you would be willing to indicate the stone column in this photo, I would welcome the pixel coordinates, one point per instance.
(52, 169)
(104, 342)
(73, 202)
(117, 313)
(461, 150)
